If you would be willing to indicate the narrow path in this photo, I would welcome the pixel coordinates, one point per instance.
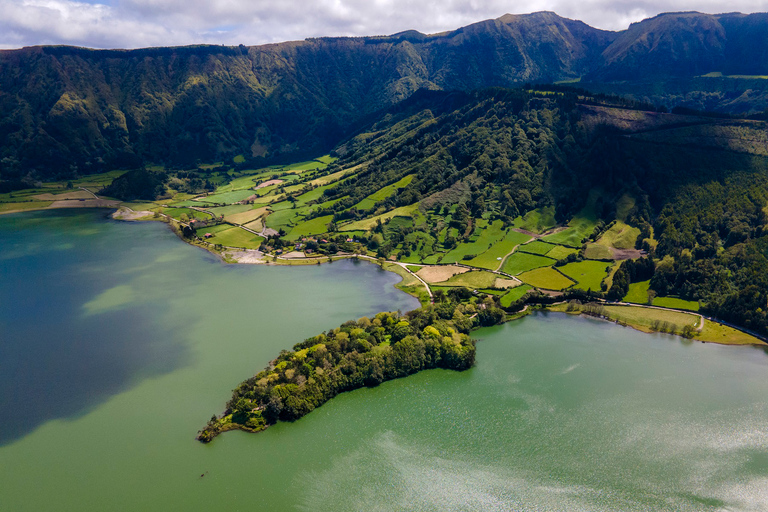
(93, 194)
(405, 267)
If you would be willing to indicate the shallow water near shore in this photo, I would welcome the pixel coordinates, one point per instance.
(119, 341)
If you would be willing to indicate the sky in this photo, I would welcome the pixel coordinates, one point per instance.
(143, 23)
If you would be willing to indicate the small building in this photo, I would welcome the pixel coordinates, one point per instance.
(208, 235)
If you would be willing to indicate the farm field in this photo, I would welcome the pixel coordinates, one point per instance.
(620, 236)
(491, 259)
(560, 252)
(647, 317)
(537, 247)
(247, 216)
(519, 262)
(474, 279)
(236, 237)
(311, 227)
(514, 294)
(587, 274)
(546, 278)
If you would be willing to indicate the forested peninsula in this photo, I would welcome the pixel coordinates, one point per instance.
(359, 353)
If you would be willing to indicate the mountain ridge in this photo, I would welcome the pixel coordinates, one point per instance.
(68, 110)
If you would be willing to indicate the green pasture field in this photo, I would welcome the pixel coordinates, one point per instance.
(546, 278)
(537, 247)
(229, 197)
(514, 295)
(490, 258)
(314, 226)
(620, 236)
(285, 219)
(580, 227)
(483, 241)
(518, 262)
(638, 293)
(588, 274)
(218, 228)
(27, 205)
(645, 317)
(676, 303)
(236, 237)
(560, 252)
(231, 209)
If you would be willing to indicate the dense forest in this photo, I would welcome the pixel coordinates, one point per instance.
(365, 352)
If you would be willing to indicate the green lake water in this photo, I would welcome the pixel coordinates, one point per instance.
(118, 342)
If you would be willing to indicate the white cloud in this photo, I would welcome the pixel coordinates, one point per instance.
(138, 23)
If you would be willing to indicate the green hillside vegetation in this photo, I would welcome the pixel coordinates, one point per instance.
(560, 252)
(620, 236)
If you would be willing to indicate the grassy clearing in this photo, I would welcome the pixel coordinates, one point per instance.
(482, 238)
(546, 278)
(645, 318)
(74, 194)
(598, 252)
(492, 258)
(623, 206)
(588, 274)
(514, 295)
(218, 228)
(366, 224)
(284, 219)
(676, 303)
(620, 236)
(638, 293)
(580, 227)
(560, 252)
(383, 193)
(27, 205)
(474, 279)
(519, 262)
(235, 237)
(719, 333)
(537, 221)
(537, 247)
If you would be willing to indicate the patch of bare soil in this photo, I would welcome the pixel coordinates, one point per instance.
(506, 283)
(247, 256)
(269, 183)
(440, 273)
(627, 254)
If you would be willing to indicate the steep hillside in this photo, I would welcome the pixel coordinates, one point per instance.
(67, 111)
